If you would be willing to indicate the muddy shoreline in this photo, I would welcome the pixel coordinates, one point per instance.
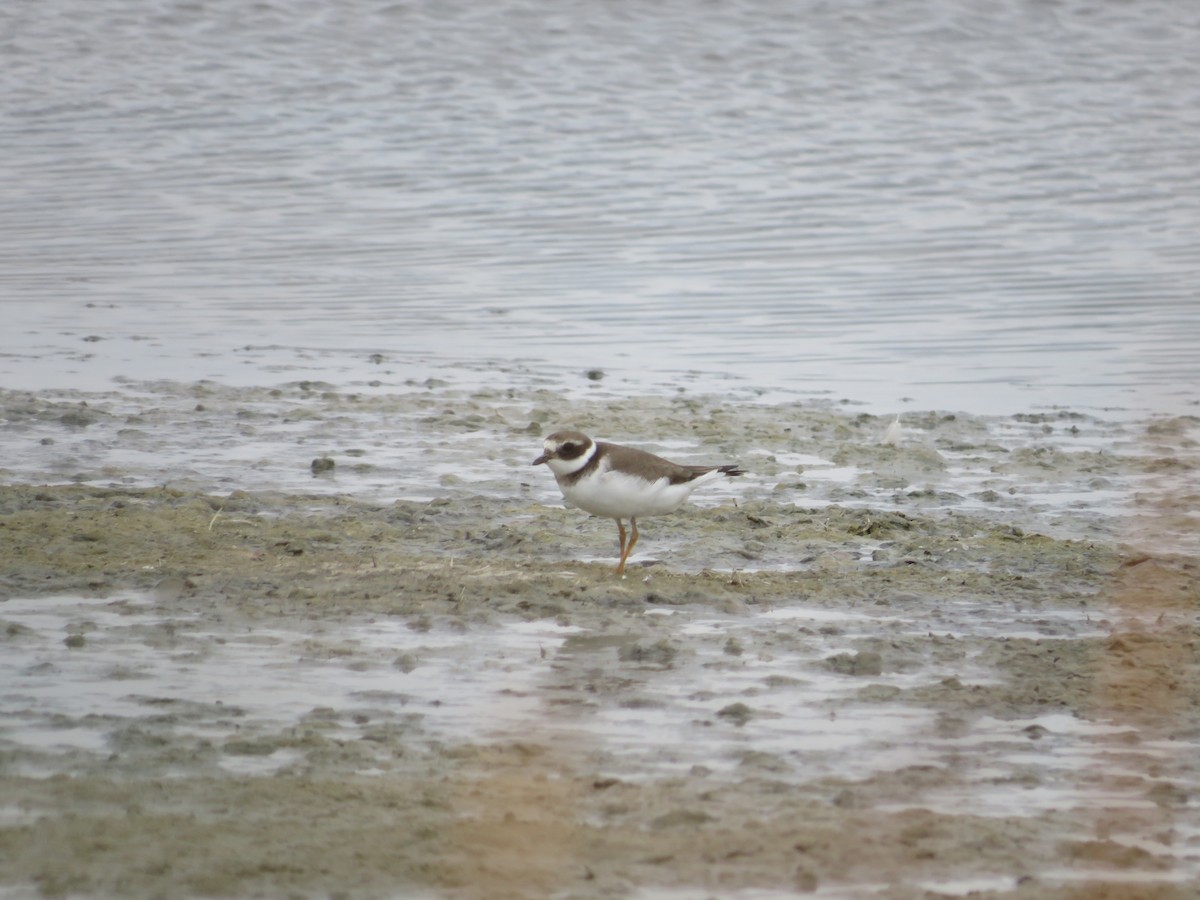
(779, 699)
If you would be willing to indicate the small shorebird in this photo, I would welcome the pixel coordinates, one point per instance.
(621, 483)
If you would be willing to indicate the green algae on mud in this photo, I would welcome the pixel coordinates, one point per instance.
(931, 664)
(1105, 636)
(331, 550)
(1056, 472)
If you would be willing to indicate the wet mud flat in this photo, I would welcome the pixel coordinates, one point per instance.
(211, 692)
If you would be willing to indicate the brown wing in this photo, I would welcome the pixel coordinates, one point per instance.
(653, 467)
(647, 465)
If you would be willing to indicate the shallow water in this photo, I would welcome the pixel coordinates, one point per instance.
(469, 685)
(142, 696)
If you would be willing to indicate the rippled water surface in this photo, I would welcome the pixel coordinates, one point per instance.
(979, 206)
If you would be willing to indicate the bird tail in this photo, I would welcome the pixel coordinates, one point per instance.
(731, 470)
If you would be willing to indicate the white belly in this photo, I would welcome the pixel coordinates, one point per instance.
(614, 495)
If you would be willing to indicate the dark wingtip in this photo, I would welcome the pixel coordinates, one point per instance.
(732, 471)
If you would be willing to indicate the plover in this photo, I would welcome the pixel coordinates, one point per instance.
(621, 483)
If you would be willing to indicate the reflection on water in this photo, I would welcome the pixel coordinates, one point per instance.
(132, 669)
(145, 692)
(981, 207)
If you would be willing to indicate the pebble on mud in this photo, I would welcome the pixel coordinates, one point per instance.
(660, 653)
(737, 713)
(805, 881)
(77, 419)
(322, 464)
(867, 662)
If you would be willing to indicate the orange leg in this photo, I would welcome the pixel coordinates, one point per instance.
(626, 549)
